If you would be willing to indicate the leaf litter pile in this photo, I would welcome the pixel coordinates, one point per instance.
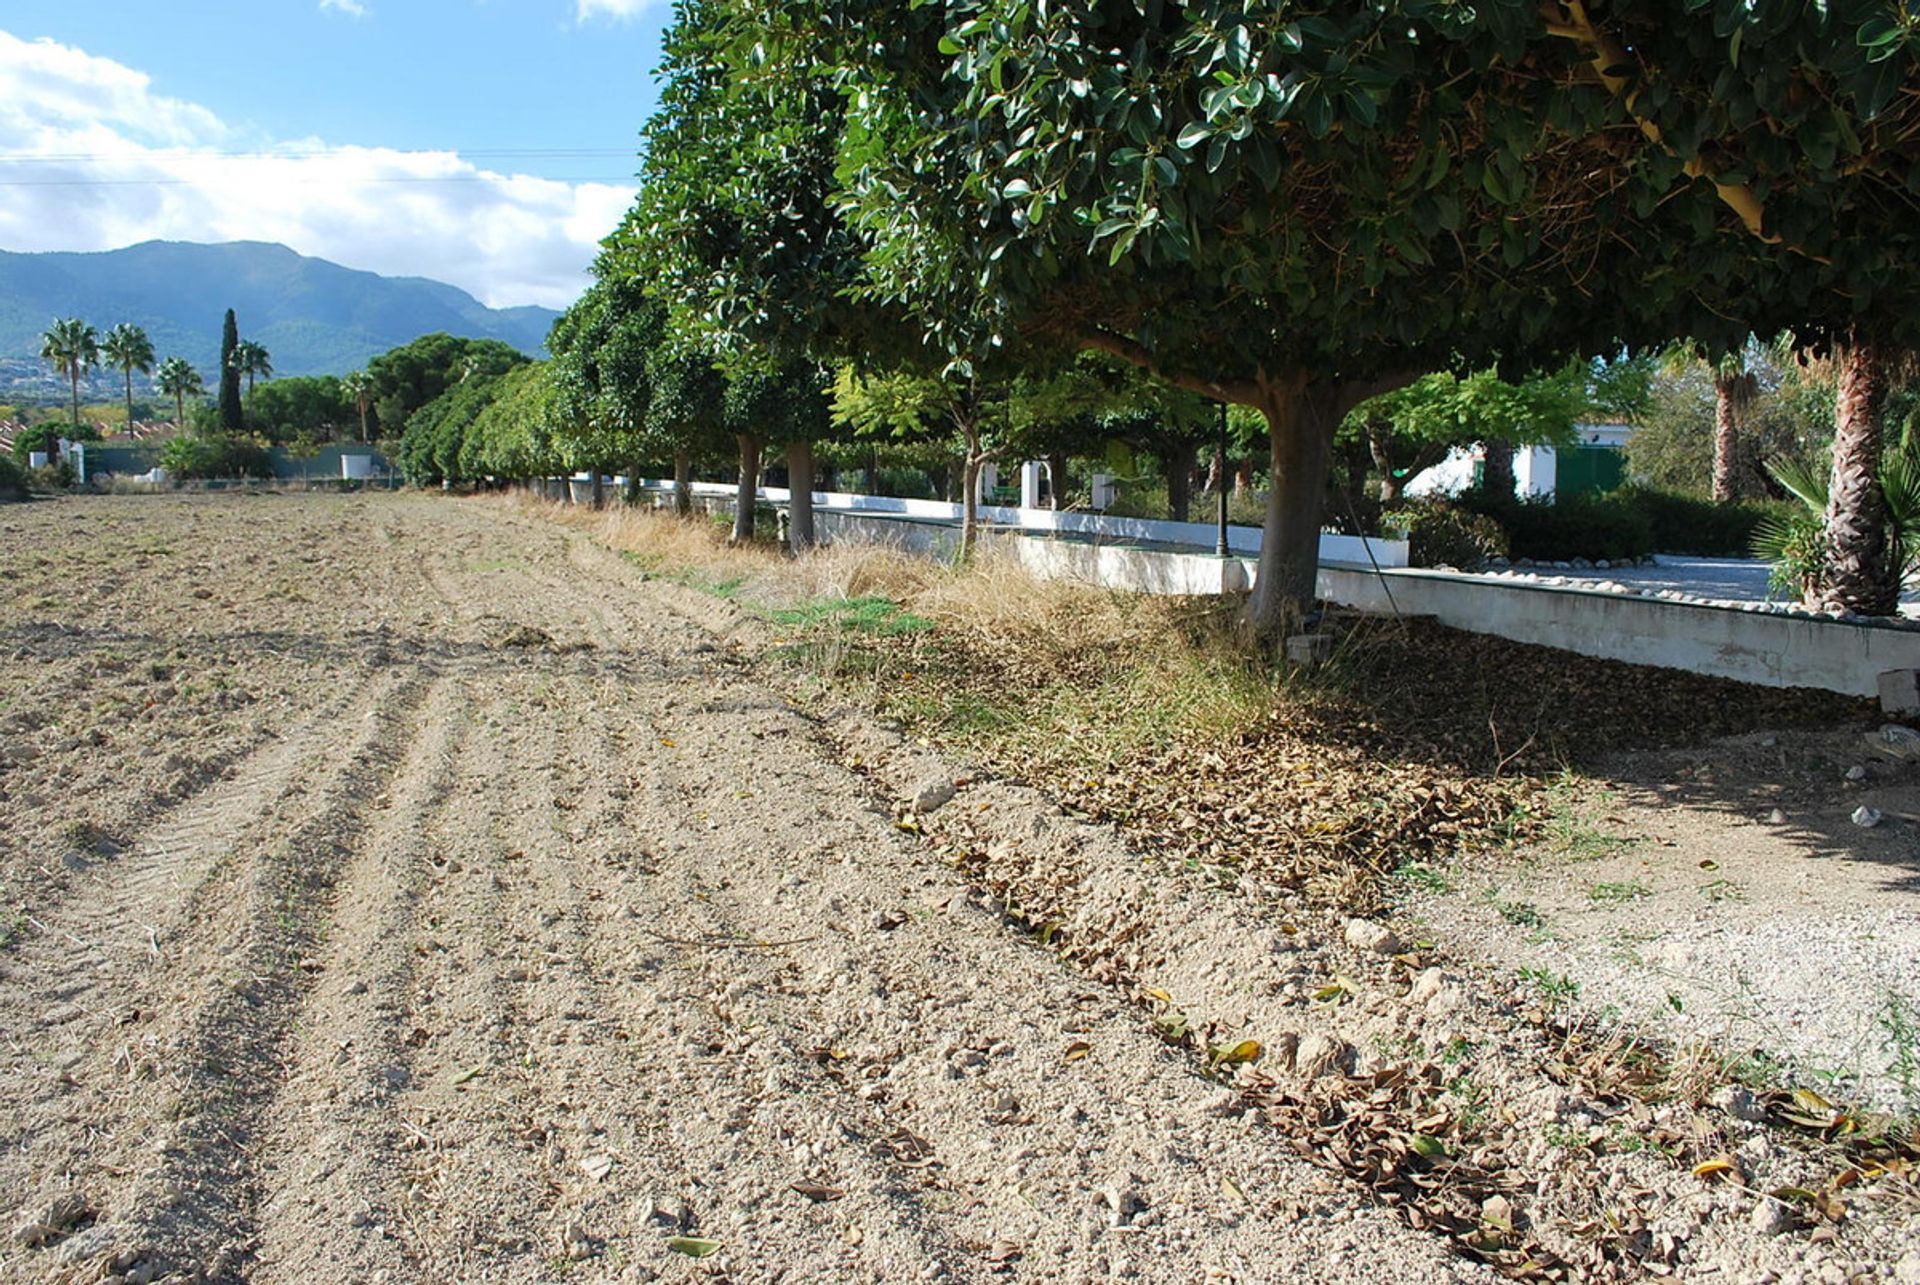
(1416, 744)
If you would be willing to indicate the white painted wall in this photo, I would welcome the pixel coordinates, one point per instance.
(1240, 539)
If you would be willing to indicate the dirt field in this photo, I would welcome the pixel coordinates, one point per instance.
(395, 889)
(404, 893)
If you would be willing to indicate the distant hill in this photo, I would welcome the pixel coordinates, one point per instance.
(315, 317)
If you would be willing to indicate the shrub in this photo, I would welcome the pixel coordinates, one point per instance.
(1442, 534)
(1609, 527)
(57, 476)
(214, 456)
(13, 479)
(1688, 524)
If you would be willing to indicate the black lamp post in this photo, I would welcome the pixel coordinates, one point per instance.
(1220, 547)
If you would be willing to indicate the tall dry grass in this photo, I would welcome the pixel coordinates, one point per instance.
(1123, 666)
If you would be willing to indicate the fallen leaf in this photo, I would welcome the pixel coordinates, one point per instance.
(1234, 1054)
(1076, 1050)
(817, 1191)
(1718, 1166)
(471, 1074)
(693, 1246)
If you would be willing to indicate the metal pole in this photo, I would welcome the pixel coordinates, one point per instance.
(1220, 548)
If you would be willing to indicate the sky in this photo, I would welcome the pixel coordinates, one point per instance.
(486, 143)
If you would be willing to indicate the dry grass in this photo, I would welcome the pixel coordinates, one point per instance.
(1159, 715)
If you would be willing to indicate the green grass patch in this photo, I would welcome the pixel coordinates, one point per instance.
(873, 615)
(1618, 893)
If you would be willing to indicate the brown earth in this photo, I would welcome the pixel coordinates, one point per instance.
(400, 891)
(395, 888)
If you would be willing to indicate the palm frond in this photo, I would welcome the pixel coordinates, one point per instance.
(1802, 480)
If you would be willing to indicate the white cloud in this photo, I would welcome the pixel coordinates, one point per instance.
(92, 159)
(618, 10)
(352, 8)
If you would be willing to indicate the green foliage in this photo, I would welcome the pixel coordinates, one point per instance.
(1685, 523)
(176, 379)
(232, 419)
(1610, 527)
(192, 456)
(431, 447)
(128, 349)
(1790, 413)
(408, 377)
(1413, 428)
(72, 347)
(1794, 538)
(1441, 533)
(514, 436)
(306, 408)
(13, 479)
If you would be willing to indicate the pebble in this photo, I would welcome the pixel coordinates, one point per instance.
(1318, 1055)
(1770, 1217)
(933, 795)
(1856, 773)
(1739, 1103)
(1365, 934)
(1867, 818)
(1907, 1270)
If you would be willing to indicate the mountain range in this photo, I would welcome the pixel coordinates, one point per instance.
(313, 316)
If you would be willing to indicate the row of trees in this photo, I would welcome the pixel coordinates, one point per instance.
(1285, 208)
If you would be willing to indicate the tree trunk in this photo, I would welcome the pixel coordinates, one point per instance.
(180, 412)
(1179, 462)
(970, 500)
(129, 404)
(76, 402)
(1301, 418)
(682, 483)
(599, 489)
(1216, 467)
(800, 536)
(1057, 481)
(1860, 575)
(1242, 476)
(1727, 389)
(873, 470)
(1496, 479)
(1391, 487)
(748, 494)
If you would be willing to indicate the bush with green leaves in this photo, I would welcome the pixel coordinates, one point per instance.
(13, 480)
(213, 456)
(1443, 534)
(1611, 528)
(1689, 524)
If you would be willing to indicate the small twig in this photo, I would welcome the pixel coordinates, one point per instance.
(61, 932)
(722, 943)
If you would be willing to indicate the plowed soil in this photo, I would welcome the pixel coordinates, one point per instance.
(397, 889)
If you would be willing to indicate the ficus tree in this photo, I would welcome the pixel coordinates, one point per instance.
(1413, 428)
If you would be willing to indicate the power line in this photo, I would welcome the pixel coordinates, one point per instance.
(201, 154)
(315, 182)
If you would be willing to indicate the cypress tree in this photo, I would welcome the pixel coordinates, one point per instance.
(231, 420)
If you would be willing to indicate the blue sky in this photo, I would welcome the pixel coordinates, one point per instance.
(485, 142)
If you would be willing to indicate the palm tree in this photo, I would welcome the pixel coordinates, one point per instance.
(128, 349)
(74, 349)
(358, 385)
(179, 381)
(250, 358)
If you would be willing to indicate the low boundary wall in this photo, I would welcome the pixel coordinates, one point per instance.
(1770, 648)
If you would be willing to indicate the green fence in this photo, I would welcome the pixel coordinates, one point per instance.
(322, 465)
